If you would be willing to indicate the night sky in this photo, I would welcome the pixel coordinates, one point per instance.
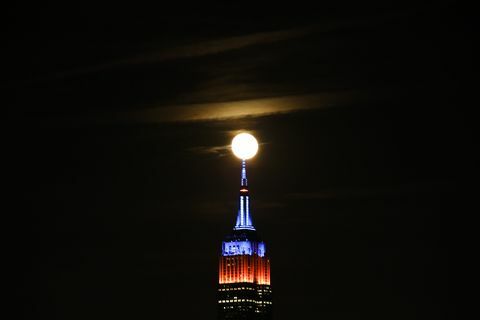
(124, 185)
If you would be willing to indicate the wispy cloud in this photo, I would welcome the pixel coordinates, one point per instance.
(231, 87)
(221, 45)
(215, 111)
(219, 151)
(239, 109)
(201, 47)
(194, 49)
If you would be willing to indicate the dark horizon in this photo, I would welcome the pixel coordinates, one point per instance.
(124, 186)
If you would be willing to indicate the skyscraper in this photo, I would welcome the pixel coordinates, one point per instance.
(244, 290)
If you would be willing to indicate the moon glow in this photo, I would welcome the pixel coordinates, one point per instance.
(244, 146)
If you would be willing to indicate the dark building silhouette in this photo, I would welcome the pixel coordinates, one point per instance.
(244, 290)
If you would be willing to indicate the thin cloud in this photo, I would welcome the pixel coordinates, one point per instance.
(215, 111)
(198, 49)
(216, 46)
(220, 151)
(239, 109)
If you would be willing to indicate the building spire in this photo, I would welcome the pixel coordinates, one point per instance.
(244, 221)
(244, 182)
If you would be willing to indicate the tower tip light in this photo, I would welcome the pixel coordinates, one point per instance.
(244, 146)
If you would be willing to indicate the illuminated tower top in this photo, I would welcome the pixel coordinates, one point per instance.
(244, 220)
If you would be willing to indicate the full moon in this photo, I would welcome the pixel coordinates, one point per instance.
(244, 146)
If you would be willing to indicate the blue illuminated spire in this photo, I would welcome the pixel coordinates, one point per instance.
(243, 182)
(244, 221)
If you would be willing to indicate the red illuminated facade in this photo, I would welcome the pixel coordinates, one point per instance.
(244, 268)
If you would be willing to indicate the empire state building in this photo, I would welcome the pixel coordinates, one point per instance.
(244, 290)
